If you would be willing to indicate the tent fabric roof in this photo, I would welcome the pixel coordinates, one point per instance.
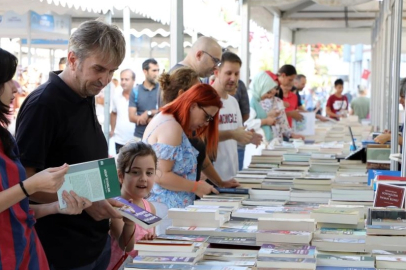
(319, 21)
(200, 16)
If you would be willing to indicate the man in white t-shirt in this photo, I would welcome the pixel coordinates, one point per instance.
(121, 128)
(230, 127)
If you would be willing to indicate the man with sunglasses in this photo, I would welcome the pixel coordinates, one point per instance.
(203, 57)
(231, 128)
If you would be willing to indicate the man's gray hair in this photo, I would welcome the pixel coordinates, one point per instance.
(96, 36)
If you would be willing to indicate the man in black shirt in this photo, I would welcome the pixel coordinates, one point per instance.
(57, 124)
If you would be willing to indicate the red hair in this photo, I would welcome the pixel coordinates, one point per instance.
(204, 96)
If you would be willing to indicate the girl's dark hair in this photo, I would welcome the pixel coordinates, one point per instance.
(289, 70)
(8, 66)
(130, 151)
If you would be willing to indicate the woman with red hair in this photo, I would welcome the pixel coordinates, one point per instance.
(193, 114)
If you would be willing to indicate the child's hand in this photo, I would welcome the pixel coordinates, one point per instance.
(149, 236)
(128, 221)
(274, 113)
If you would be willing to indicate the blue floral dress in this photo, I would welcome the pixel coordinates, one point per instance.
(185, 157)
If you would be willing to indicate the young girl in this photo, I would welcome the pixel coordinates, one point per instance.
(136, 167)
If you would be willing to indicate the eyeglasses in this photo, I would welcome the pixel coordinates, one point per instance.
(216, 61)
(208, 116)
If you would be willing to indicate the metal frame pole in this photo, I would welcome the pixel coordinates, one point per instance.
(245, 46)
(176, 27)
(107, 90)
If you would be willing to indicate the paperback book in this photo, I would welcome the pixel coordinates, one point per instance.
(138, 215)
(95, 180)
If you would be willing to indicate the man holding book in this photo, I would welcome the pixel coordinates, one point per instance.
(231, 128)
(57, 124)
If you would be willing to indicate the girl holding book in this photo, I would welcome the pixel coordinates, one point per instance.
(136, 167)
(20, 247)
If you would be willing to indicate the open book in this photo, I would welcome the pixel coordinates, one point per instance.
(138, 215)
(95, 180)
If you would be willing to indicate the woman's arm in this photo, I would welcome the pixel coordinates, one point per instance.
(74, 206)
(211, 173)
(49, 180)
(169, 179)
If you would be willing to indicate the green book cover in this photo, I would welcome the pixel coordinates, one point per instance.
(95, 180)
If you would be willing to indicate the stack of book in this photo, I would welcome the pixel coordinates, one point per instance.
(169, 252)
(353, 180)
(295, 160)
(312, 183)
(331, 237)
(361, 194)
(265, 162)
(236, 251)
(351, 166)
(322, 158)
(287, 256)
(251, 178)
(285, 230)
(324, 167)
(204, 217)
(378, 156)
(222, 200)
(339, 261)
(269, 194)
(317, 196)
(287, 212)
(386, 229)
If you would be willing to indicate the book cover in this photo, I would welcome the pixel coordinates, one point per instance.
(342, 268)
(232, 190)
(163, 259)
(192, 238)
(138, 215)
(307, 125)
(286, 250)
(180, 267)
(389, 195)
(95, 180)
(239, 241)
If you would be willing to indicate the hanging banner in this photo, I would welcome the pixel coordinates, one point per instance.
(365, 74)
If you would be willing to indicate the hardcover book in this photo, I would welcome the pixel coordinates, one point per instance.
(389, 195)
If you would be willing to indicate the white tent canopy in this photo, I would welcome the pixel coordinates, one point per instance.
(319, 21)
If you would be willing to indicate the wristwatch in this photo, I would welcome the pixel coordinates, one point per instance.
(149, 113)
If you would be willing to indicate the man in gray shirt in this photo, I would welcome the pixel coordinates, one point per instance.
(143, 98)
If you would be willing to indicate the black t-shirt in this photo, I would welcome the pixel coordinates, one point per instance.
(56, 126)
(200, 146)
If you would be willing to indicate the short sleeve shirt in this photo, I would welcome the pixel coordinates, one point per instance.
(56, 126)
(337, 104)
(144, 100)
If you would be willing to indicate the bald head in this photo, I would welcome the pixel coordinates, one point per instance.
(204, 56)
(206, 44)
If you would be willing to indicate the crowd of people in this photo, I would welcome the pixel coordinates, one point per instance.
(178, 135)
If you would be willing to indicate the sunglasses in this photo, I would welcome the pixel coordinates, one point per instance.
(208, 116)
(216, 61)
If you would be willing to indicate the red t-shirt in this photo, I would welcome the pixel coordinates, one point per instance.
(292, 100)
(337, 104)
